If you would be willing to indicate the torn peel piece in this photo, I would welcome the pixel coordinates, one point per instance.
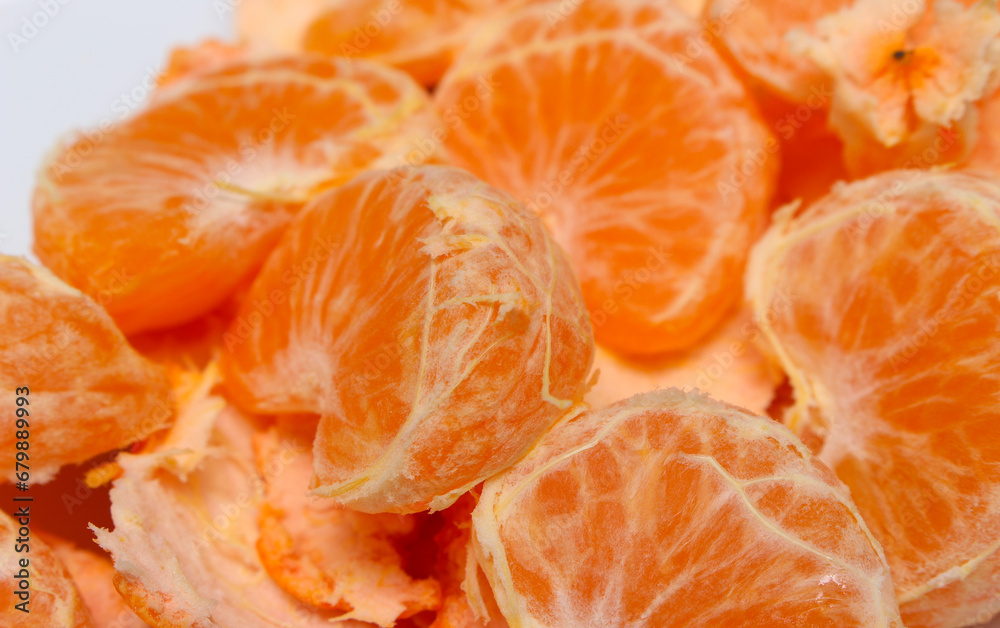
(323, 554)
(185, 550)
(674, 506)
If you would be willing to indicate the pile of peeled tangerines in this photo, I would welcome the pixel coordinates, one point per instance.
(571, 313)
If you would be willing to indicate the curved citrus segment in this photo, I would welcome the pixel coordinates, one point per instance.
(164, 214)
(185, 514)
(728, 365)
(413, 312)
(653, 172)
(886, 346)
(325, 555)
(88, 391)
(671, 509)
(48, 595)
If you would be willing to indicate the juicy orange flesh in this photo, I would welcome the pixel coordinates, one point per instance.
(464, 323)
(894, 343)
(224, 161)
(624, 168)
(89, 391)
(685, 514)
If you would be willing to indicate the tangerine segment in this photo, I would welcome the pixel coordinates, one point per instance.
(728, 365)
(163, 215)
(325, 555)
(756, 36)
(653, 172)
(420, 37)
(895, 286)
(431, 321)
(52, 599)
(183, 542)
(93, 575)
(672, 509)
(88, 391)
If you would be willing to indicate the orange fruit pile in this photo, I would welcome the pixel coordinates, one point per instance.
(520, 314)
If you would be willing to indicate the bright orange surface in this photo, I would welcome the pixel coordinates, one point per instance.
(432, 322)
(161, 216)
(650, 167)
(895, 290)
(89, 391)
(673, 510)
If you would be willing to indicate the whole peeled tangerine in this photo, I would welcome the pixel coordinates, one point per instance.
(431, 321)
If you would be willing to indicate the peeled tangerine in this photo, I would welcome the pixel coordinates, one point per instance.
(889, 347)
(86, 390)
(162, 215)
(650, 166)
(672, 509)
(420, 37)
(432, 323)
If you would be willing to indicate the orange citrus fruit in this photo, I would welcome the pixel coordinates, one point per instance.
(50, 598)
(412, 310)
(672, 509)
(163, 214)
(85, 391)
(896, 295)
(420, 37)
(650, 167)
(756, 36)
(325, 555)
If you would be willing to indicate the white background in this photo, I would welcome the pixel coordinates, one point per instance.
(73, 72)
